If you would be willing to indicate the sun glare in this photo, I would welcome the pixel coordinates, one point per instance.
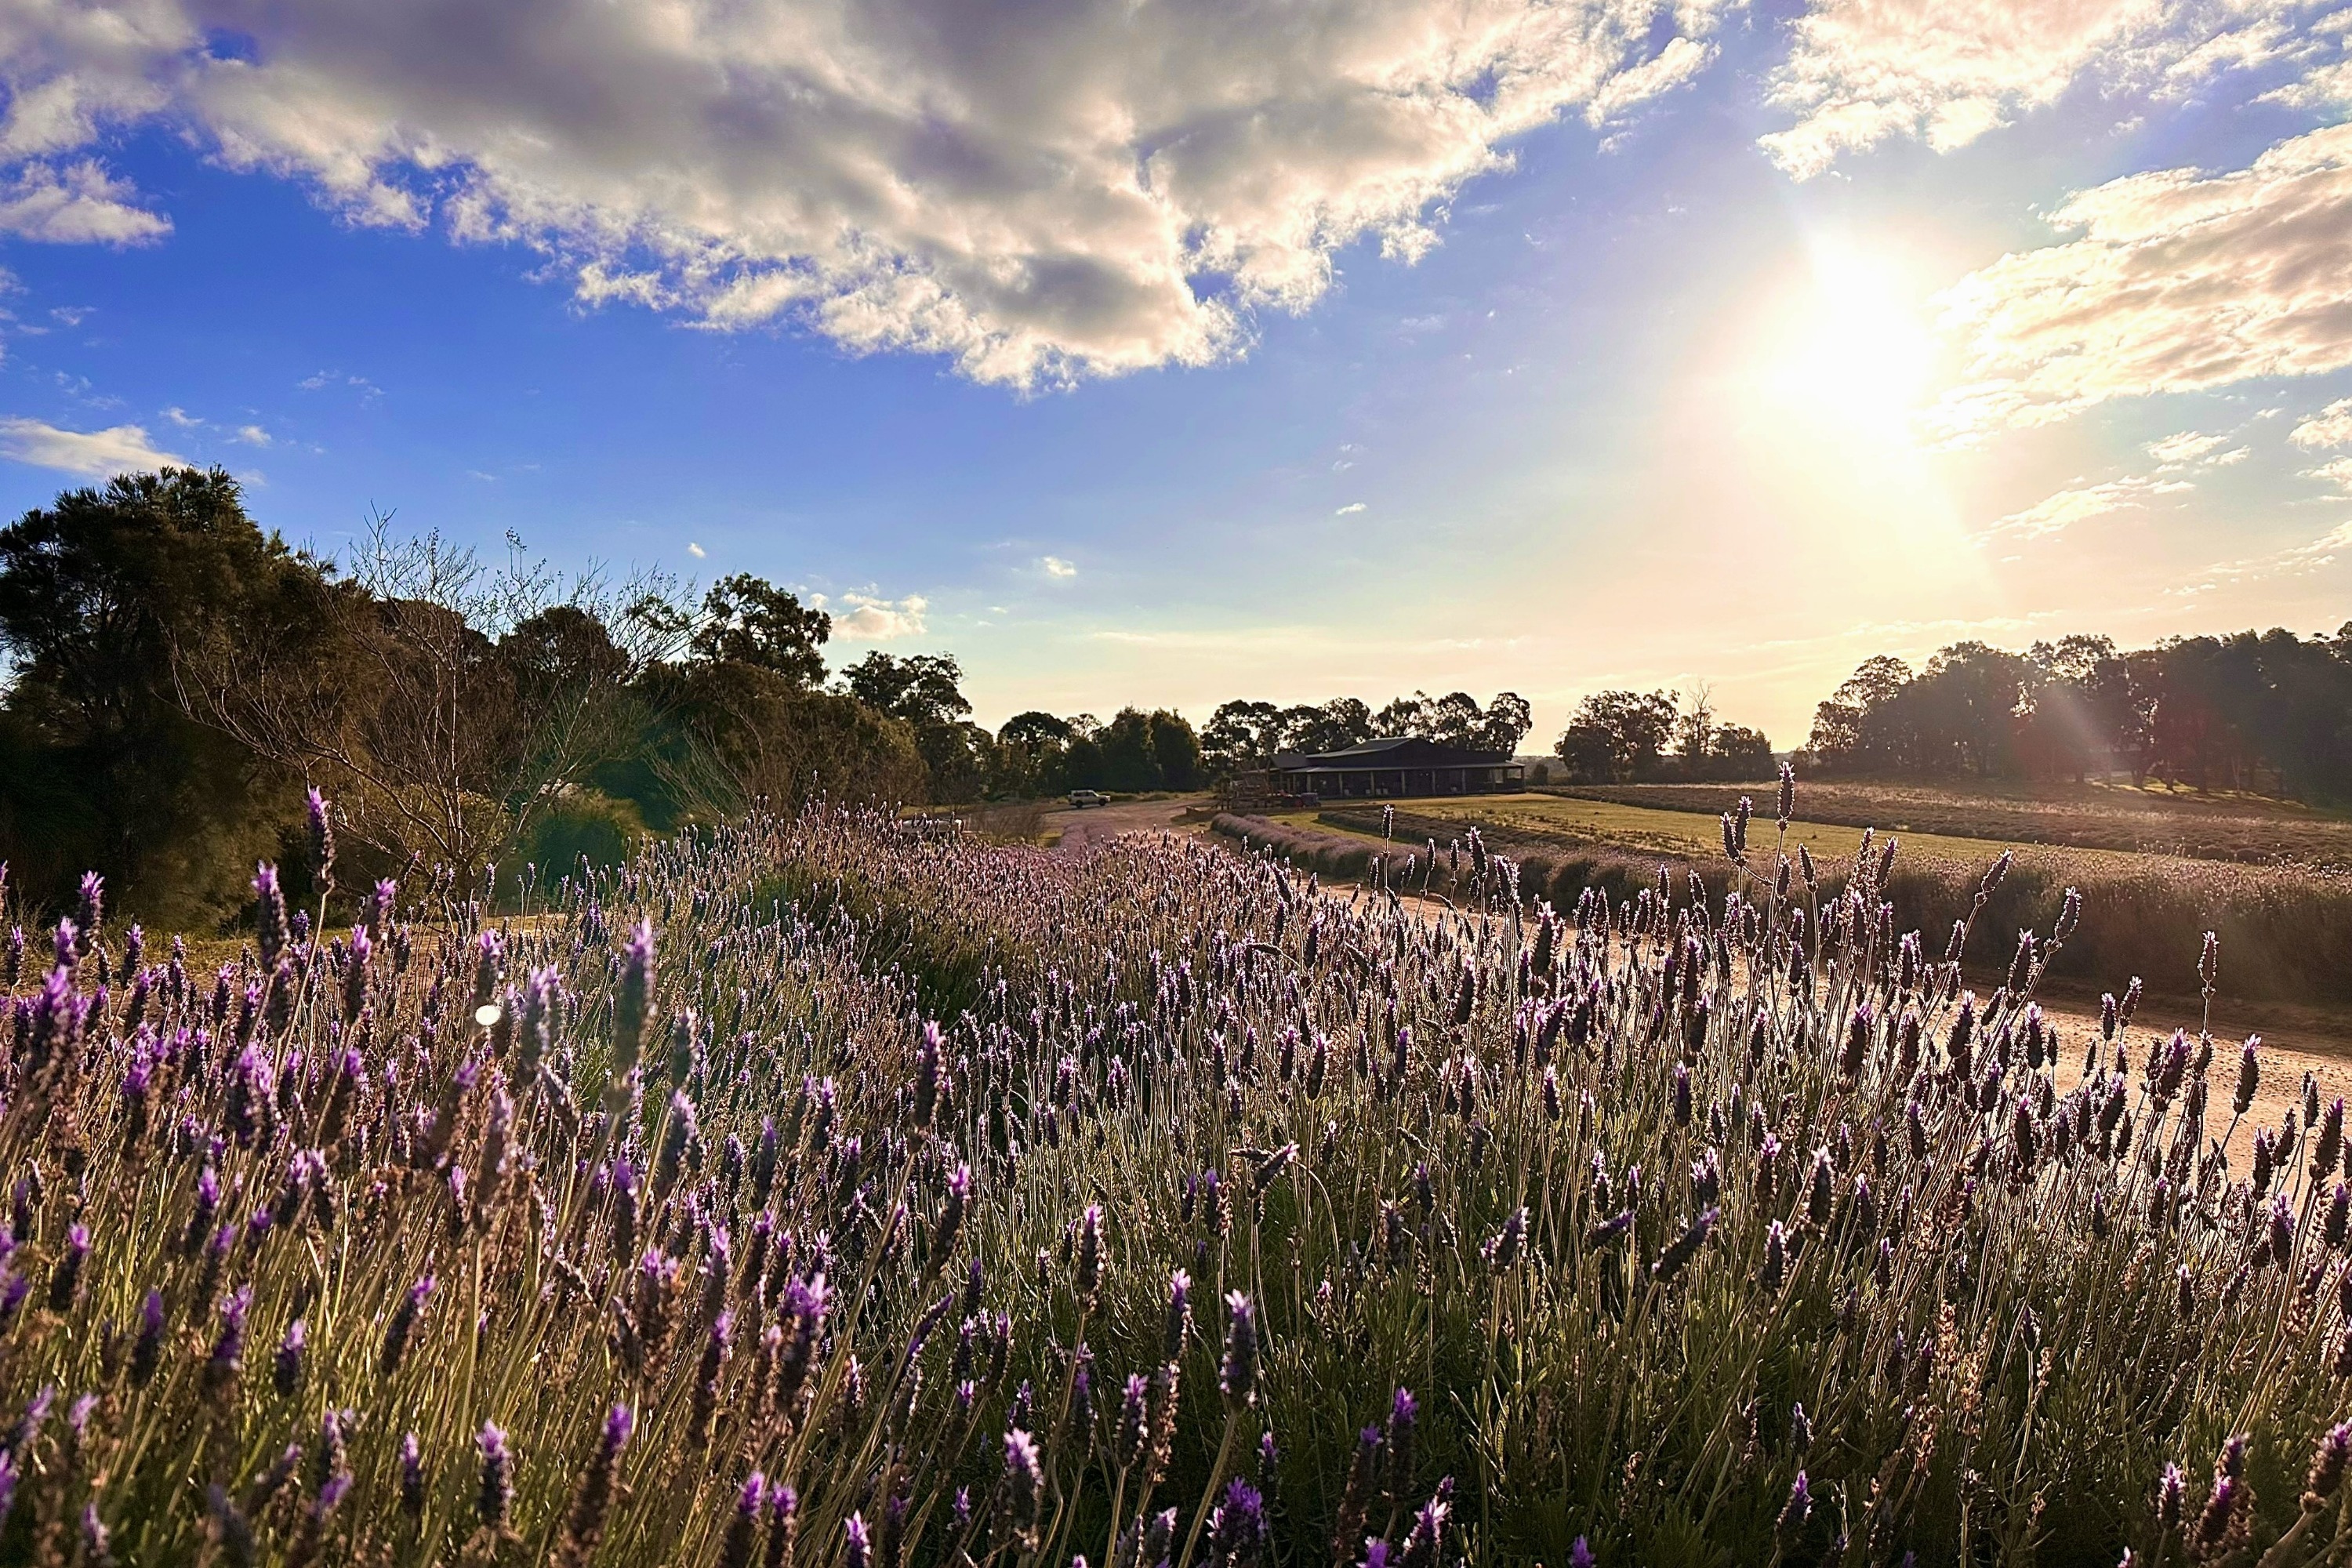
(1846, 348)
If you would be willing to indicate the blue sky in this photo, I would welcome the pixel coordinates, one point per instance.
(1162, 356)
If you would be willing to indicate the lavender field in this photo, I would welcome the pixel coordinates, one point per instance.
(826, 1191)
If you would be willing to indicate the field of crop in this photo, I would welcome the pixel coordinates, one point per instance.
(842, 1192)
(2090, 817)
(2288, 929)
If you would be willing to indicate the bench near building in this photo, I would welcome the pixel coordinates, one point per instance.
(1407, 766)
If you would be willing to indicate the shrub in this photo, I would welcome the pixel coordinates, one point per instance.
(585, 826)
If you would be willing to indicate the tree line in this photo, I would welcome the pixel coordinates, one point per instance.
(1621, 737)
(175, 673)
(1250, 735)
(2265, 712)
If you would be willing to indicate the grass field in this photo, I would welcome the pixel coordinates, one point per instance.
(1682, 834)
(2154, 820)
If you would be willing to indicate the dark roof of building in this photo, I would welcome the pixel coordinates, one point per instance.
(1393, 752)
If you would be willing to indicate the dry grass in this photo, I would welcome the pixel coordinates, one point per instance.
(2154, 820)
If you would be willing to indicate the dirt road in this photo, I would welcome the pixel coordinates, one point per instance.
(1096, 824)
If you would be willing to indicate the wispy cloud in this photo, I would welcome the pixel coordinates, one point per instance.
(252, 436)
(2193, 449)
(696, 550)
(1350, 508)
(1947, 71)
(2082, 503)
(1055, 567)
(2321, 551)
(95, 454)
(2181, 281)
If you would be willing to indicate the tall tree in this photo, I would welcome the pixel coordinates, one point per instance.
(748, 620)
(1617, 735)
(98, 593)
(450, 703)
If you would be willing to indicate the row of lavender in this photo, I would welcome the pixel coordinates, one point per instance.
(822, 1192)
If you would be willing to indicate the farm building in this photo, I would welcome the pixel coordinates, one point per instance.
(1404, 766)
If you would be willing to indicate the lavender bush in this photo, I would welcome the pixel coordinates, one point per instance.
(829, 1192)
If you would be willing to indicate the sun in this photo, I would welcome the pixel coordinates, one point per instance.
(1846, 347)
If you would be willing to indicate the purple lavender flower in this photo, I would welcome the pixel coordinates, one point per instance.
(2171, 1489)
(270, 932)
(28, 1425)
(1180, 1317)
(1088, 1278)
(403, 1324)
(285, 1374)
(742, 1538)
(1023, 1488)
(2327, 1466)
(927, 1076)
(64, 1283)
(1422, 1541)
(147, 1350)
(89, 913)
(858, 1542)
(494, 1498)
(2213, 1524)
(1239, 1534)
(1683, 1248)
(1237, 1376)
(323, 838)
(95, 1537)
(585, 1528)
(412, 1486)
(632, 1004)
(1403, 1413)
(228, 1350)
(1795, 1512)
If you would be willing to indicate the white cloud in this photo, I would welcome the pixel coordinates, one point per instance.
(96, 454)
(252, 436)
(1034, 194)
(1946, 72)
(2336, 471)
(1055, 566)
(2331, 427)
(2296, 560)
(2082, 503)
(696, 550)
(869, 619)
(2192, 450)
(78, 204)
(1353, 507)
(2180, 281)
(182, 418)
